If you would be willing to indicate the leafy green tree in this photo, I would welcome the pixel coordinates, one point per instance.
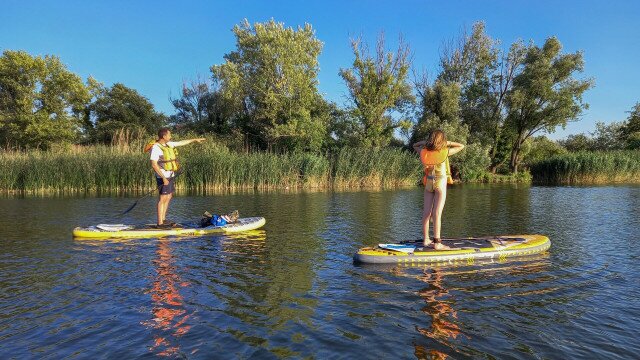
(633, 121)
(470, 58)
(539, 148)
(192, 106)
(544, 95)
(471, 164)
(609, 137)
(201, 109)
(633, 140)
(484, 73)
(270, 80)
(577, 142)
(378, 88)
(118, 108)
(631, 129)
(439, 108)
(41, 102)
(344, 129)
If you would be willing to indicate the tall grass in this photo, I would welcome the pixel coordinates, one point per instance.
(595, 167)
(206, 167)
(357, 167)
(98, 168)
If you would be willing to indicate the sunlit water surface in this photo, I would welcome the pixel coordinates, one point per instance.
(292, 290)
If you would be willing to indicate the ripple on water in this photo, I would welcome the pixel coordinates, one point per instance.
(291, 289)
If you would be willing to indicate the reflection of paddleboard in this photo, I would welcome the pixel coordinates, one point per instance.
(106, 231)
(461, 249)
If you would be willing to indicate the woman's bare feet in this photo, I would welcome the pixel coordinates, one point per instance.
(440, 246)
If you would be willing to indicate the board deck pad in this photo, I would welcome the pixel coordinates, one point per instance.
(410, 251)
(461, 243)
(114, 227)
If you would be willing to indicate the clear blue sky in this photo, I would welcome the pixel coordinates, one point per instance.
(152, 46)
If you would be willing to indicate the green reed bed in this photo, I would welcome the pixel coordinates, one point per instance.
(206, 167)
(100, 168)
(227, 170)
(596, 167)
(375, 167)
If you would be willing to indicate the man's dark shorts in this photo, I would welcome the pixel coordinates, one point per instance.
(165, 189)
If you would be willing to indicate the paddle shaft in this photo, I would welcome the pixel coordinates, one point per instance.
(149, 193)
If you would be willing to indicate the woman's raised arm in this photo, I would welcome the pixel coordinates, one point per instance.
(454, 147)
(419, 145)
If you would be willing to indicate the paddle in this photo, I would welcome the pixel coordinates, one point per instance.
(150, 192)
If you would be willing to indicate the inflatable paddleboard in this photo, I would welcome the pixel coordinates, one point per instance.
(108, 231)
(497, 247)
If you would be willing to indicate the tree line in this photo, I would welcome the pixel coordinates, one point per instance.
(613, 136)
(265, 95)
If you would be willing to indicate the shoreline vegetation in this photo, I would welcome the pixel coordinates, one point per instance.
(100, 168)
(589, 167)
(110, 168)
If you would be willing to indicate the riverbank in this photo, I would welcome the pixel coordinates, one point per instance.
(214, 167)
(589, 167)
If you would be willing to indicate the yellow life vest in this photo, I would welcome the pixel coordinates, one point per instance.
(432, 161)
(169, 160)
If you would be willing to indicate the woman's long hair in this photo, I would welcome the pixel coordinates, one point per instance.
(436, 141)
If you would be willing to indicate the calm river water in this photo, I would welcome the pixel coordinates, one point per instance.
(292, 290)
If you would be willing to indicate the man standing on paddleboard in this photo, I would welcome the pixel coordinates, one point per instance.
(164, 162)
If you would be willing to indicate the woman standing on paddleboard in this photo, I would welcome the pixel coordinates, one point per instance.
(434, 155)
(164, 161)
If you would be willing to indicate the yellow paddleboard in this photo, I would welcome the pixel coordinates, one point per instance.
(111, 231)
(497, 247)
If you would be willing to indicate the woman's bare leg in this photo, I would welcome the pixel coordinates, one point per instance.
(440, 196)
(426, 215)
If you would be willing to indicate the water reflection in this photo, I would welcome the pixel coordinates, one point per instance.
(494, 210)
(170, 315)
(439, 308)
(274, 271)
(458, 301)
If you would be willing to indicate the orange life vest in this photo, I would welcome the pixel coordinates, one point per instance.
(169, 160)
(430, 159)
